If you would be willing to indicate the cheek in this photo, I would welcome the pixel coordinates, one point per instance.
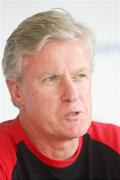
(43, 102)
(85, 91)
(47, 102)
(43, 107)
(85, 96)
(39, 106)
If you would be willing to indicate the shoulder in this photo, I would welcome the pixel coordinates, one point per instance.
(108, 134)
(8, 145)
(9, 135)
(7, 132)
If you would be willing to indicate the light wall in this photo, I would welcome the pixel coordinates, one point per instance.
(104, 19)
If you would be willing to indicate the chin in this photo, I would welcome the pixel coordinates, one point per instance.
(77, 132)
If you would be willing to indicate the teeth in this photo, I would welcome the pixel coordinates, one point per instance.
(72, 113)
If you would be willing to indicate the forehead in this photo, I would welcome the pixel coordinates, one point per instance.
(60, 54)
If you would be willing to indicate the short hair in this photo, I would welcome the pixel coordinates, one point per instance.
(34, 32)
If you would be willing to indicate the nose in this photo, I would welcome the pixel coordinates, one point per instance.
(70, 91)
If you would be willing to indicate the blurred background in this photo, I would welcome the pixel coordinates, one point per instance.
(104, 18)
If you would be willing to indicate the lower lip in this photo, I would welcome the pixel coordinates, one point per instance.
(73, 117)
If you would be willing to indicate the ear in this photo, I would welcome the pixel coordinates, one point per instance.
(15, 92)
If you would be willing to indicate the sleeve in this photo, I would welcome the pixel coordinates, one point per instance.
(7, 158)
(107, 134)
(2, 174)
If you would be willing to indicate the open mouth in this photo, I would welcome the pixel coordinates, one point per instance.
(72, 115)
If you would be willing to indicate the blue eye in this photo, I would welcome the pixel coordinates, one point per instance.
(51, 78)
(79, 77)
(82, 75)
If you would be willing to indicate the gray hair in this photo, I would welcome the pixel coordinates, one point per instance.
(34, 32)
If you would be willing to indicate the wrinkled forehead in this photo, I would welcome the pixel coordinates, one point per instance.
(58, 55)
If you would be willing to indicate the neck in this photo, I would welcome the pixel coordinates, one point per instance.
(54, 148)
(58, 150)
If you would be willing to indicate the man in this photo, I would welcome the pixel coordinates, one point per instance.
(47, 64)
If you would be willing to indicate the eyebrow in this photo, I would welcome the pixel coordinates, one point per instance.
(81, 70)
(47, 73)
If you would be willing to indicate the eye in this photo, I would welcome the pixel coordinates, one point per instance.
(51, 79)
(79, 77)
(82, 75)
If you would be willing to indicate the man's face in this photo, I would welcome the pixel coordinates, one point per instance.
(56, 90)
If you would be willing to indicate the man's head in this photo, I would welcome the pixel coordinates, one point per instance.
(48, 65)
(33, 33)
